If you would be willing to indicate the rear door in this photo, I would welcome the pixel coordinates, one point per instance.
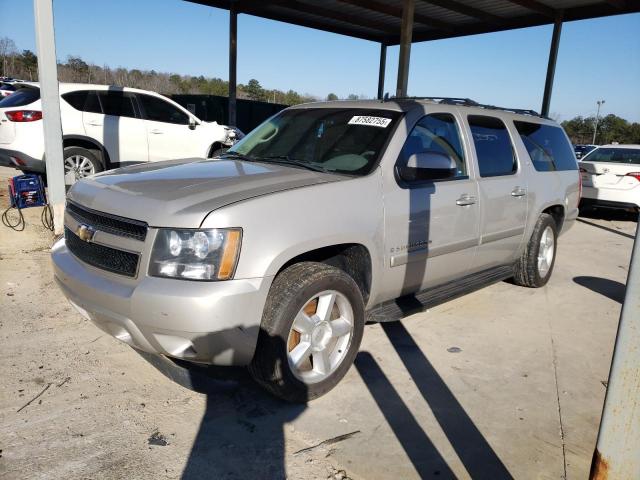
(115, 122)
(168, 131)
(503, 192)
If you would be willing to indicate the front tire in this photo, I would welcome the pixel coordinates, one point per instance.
(311, 330)
(535, 266)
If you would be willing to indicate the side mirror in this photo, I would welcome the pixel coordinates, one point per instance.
(428, 166)
(192, 124)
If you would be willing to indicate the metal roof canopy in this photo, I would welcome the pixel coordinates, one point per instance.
(392, 22)
(380, 20)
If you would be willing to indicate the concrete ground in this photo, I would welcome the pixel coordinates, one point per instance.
(504, 383)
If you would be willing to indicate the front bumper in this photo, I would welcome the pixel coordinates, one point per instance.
(208, 322)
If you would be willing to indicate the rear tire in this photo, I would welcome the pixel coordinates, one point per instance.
(79, 163)
(535, 266)
(279, 364)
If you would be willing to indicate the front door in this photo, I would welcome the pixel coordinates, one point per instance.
(503, 192)
(168, 130)
(431, 226)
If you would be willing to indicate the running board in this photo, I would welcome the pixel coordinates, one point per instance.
(401, 307)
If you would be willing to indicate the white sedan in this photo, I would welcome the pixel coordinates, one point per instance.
(611, 177)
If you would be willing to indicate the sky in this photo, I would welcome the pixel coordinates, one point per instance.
(598, 59)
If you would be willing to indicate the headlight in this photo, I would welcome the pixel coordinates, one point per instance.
(196, 254)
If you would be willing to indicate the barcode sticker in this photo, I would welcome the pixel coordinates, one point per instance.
(370, 121)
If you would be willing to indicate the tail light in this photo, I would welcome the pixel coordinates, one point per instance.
(635, 175)
(24, 115)
(580, 184)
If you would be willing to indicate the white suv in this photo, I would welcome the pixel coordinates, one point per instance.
(611, 177)
(105, 127)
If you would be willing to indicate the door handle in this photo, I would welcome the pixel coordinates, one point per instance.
(466, 200)
(518, 192)
(156, 131)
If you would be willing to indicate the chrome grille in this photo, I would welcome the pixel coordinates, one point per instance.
(123, 227)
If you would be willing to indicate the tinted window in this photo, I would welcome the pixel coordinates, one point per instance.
(548, 147)
(158, 110)
(493, 146)
(24, 96)
(344, 140)
(435, 133)
(616, 155)
(119, 104)
(85, 101)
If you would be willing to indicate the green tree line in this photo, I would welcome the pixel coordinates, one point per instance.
(611, 128)
(24, 65)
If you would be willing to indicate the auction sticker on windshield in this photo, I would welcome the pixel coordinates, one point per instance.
(370, 121)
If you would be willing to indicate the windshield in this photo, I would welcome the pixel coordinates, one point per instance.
(615, 155)
(340, 140)
(24, 96)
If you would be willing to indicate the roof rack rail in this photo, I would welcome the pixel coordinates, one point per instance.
(467, 102)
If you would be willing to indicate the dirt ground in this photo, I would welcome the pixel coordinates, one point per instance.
(503, 383)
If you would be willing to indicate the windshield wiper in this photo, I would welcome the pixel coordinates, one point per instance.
(286, 160)
(238, 156)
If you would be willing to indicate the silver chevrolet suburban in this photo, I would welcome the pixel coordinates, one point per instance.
(328, 215)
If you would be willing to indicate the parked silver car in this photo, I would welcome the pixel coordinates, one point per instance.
(327, 215)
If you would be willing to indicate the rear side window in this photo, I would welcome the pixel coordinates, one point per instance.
(84, 100)
(548, 147)
(493, 146)
(24, 96)
(615, 155)
(158, 110)
(118, 104)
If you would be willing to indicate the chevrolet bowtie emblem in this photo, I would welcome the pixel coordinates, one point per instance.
(85, 233)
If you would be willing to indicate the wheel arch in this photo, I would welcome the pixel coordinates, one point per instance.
(90, 144)
(352, 258)
(557, 211)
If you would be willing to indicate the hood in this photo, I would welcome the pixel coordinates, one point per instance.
(180, 193)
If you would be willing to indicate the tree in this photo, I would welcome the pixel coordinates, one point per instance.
(29, 62)
(7, 52)
(352, 96)
(331, 97)
(611, 128)
(254, 90)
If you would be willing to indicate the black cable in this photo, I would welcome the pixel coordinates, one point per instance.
(47, 217)
(19, 225)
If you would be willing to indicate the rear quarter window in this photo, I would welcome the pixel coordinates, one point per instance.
(547, 146)
(83, 100)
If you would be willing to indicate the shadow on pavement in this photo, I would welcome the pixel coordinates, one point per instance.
(608, 288)
(241, 433)
(608, 214)
(608, 229)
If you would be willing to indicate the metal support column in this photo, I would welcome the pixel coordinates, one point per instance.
(383, 66)
(406, 34)
(50, 98)
(551, 66)
(233, 47)
(617, 453)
